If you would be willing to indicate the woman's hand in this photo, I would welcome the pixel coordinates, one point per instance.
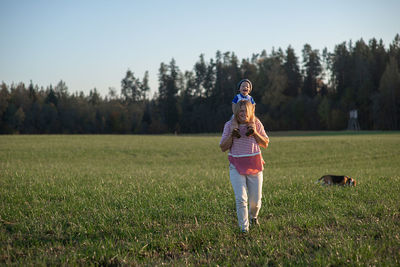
(262, 141)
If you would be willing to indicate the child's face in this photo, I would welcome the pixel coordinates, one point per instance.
(244, 88)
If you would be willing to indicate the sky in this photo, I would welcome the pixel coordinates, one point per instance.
(91, 44)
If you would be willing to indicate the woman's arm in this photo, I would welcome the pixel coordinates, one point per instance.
(226, 143)
(259, 134)
(262, 141)
(227, 138)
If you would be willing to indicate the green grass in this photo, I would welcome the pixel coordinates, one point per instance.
(153, 200)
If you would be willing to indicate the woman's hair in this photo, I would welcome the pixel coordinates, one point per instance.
(250, 108)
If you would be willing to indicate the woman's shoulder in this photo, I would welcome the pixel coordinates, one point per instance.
(260, 127)
(257, 121)
(228, 123)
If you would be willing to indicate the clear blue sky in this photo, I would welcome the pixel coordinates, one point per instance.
(92, 44)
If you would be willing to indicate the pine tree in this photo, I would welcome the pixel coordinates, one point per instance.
(51, 97)
(274, 97)
(358, 94)
(131, 88)
(172, 112)
(389, 97)
(378, 61)
(394, 49)
(200, 69)
(94, 97)
(168, 92)
(291, 67)
(4, 102)
(144, 86)
(341, 69)
(312, 70)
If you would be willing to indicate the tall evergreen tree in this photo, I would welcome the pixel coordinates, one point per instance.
(292, 70)
(210, 79)
(312, 70)
(168, 92)
(32, 92)
(394, 49)
(341, 69)
(144, 86)
(131, 88)
(61, 90)
(274, 98)
(51, 97)
(162, 82)
(379, 60)
(187, 105)
(387, 107)
(200, 69)
(358, 94)
(94, 97)
(4, 103)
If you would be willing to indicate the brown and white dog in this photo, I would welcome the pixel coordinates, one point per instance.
(337, 180)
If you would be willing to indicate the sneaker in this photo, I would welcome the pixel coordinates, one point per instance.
(250, 131)
(236, 133)
(254, 222)
(244, 231)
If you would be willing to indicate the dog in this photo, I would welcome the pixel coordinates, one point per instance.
(337, 180)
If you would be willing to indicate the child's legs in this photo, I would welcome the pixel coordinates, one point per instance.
(234, 124)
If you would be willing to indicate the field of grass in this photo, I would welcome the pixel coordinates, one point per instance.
(153, 200)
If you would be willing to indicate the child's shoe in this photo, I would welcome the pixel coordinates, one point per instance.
(250, 131)
(236, 133)
(254, 222)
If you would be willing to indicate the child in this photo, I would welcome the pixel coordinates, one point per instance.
(244, 88)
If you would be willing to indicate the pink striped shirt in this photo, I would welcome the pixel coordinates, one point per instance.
(245, 153)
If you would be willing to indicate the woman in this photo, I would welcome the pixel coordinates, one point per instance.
(246, 163)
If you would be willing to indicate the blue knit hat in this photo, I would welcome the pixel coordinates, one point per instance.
(242, 81)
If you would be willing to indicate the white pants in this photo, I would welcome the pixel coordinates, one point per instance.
(248, 190)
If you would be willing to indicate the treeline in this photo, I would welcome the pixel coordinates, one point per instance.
(315, 92)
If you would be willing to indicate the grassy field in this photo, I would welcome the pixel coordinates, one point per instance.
(153, 200)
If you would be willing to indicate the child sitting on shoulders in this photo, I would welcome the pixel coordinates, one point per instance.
(244, 88)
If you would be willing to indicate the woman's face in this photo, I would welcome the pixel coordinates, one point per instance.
(243, 116)
(244, 88)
